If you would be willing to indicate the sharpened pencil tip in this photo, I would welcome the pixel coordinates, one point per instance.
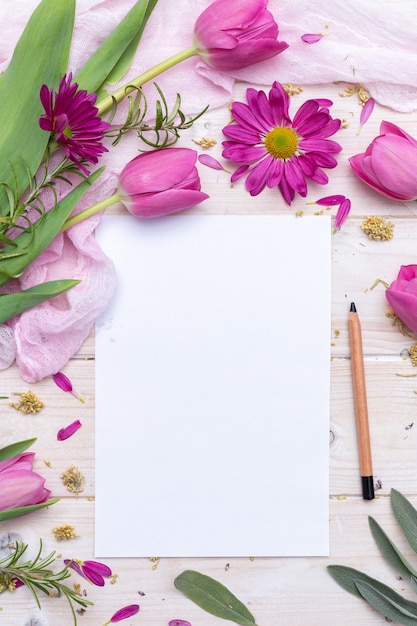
(352, 308)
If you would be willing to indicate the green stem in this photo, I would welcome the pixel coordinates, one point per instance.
(92, 210)
(106, 104)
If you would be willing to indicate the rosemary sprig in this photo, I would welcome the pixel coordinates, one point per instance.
(164, 132)
(36, 574)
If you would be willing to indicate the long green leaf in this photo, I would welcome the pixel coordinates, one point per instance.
(390, 550)
(347, 577)
(41, 56)
(213, 597)
(8, 452)
(399, 609)
(31, 244)
(406, 516)
(110, 58)
(24, 510)
(12, 304)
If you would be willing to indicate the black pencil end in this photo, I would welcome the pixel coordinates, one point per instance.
(368, 492)
(352, 307)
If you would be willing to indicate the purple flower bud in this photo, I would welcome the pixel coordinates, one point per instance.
(20, 485)
(231, 34)
(388, 164)
(161, 182)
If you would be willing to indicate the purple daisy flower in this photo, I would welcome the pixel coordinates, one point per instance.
(70, 115)
(275, 151)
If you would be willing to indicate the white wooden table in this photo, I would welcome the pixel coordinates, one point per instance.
(291, 591)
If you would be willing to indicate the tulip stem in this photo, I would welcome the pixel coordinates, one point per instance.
(106, 104)
(92, 210)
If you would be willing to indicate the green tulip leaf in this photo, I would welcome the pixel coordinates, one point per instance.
(406, 516)
(8, 452)
(390, 551)
(213, 597)
(30, 243)
(395, 608)
(24, 510)
(112, 59)
(12, 304)
(40, 56)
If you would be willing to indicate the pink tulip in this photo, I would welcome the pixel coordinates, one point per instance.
(402, 296)
(161, 182)
(388, 165)
(232, 34)
(19, 484)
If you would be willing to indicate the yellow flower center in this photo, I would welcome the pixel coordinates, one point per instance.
(68, 132)
(281, 142)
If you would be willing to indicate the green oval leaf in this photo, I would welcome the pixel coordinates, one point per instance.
(406, 516)
(213, 597)
(399, 609)
(390, 551)
(12, 304)
(8, 452)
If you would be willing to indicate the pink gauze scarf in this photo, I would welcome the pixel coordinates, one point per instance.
(373, 43)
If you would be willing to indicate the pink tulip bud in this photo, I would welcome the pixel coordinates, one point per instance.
(19, 484)
(232, 34)
(161, 182)
(402, 296)
(388, 165)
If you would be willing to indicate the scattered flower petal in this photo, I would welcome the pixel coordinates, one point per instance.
(342, 212)
(68, 431)
(124, 613)
(329, 200)
(64, 383)
(366, 112)
(90, 570)
(275, 151)
(210, 161)
(71, 117)
(179, 622)
(311, 37)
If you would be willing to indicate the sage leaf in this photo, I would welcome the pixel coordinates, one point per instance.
(12, 304)
(213, 597)
(390, 551)
(347, 577)
(406, 516)
(8, 452)
(23, 510)
(40, 56)
(31, 243)
(112, 59)
(399, 609)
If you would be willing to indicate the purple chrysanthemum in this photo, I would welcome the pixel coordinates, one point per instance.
(70, 115)
(275, 151)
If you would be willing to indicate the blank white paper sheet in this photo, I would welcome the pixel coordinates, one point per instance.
(213, 387)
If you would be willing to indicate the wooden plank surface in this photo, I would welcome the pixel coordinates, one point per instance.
(295, 592)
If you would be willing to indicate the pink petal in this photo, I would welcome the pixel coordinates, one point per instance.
(62, 381)
(125, 612)
(311, 37)
(342, 212)
(209, 161)
(330, 200)
(179, 622)
(366, 112)
(68, 431)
